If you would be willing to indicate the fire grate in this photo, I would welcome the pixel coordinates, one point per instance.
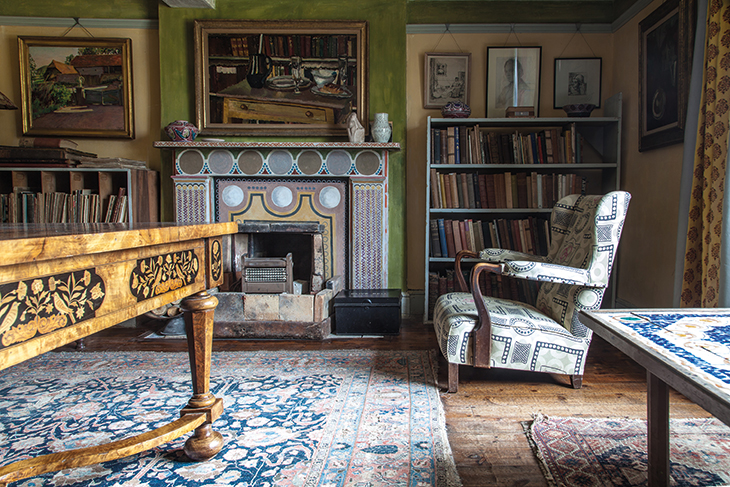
(267, 275)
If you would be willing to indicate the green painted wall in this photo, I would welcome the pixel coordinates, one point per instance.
(387, 80)
(84, 9)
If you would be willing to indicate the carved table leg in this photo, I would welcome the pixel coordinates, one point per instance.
(199, 309)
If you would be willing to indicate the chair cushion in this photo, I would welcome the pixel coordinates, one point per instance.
(522, 337)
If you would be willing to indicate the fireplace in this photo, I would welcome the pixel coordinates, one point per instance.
(324, 203)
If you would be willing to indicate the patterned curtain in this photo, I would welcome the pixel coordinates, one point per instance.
(702, 257)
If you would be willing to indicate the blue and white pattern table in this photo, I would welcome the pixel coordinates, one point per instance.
(685, 349)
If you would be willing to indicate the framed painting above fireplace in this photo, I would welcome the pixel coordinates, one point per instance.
(283, 78)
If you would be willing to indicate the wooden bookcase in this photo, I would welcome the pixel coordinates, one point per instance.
(139, 185)
(497, 179)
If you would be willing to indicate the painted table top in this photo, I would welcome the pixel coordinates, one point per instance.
(693, 342)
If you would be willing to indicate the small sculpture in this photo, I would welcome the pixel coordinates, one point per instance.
(355, 130)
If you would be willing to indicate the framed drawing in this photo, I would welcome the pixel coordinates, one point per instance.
(286, 78)
(76, 87)
(666, 37)
(513, 79)
(446, 79)
(577, 80)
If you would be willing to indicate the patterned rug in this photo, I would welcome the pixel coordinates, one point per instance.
(584, 452)
(321, 418)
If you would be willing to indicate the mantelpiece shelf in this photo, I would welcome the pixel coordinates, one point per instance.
(390, 146)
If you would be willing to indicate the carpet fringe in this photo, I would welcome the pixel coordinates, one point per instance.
(527, 427)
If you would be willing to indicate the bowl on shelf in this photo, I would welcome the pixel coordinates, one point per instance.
(323, 76)
(455, 109)
(579, 109)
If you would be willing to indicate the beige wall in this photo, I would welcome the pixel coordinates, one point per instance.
(553, 46)
(146, 75)
(648, 245)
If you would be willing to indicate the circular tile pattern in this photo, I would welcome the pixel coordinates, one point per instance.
(282, 196)
(280, 162)
(220, 162)
(367, 163)
(338, 162)
(250, 162)
(232, 196)
(329, 197)
(191, 162)
(309, 162)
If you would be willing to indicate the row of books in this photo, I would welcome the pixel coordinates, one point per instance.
(530, 235)
(501, 190)
(82, 206)
(306, 46)
(491, 285)
(473, 145)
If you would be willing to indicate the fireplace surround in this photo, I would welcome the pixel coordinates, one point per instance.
(339, 189)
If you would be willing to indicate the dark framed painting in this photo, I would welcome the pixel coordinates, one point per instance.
(446, 79)
(577, 81)
(76, 87)
(513, 79)
(285, 78)
(666, 38)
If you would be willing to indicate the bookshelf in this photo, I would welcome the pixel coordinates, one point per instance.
(77, 195)
(493, 182)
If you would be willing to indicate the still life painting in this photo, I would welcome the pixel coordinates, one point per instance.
(280, 78)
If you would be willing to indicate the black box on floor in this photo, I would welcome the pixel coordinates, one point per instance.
(367, 312)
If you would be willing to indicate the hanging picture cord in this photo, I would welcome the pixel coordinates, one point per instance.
(76, 22)
(442, 36)
(577, 31)
(512, 31)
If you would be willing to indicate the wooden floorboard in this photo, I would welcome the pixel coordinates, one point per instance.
(484, 419)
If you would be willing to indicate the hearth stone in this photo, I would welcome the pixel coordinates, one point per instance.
(282, 316)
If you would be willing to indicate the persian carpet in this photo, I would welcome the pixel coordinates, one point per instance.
(585, 452)
(302, 418)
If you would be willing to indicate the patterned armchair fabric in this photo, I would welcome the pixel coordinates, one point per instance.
(585, 232)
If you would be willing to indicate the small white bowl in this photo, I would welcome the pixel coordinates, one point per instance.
(323, 76)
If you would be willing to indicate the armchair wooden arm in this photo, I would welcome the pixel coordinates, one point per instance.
(460, 281)
(482, 334)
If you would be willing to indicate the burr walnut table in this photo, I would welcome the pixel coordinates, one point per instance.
(686, 349)
(60, 283)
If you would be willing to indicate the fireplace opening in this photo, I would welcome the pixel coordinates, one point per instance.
(278, 245)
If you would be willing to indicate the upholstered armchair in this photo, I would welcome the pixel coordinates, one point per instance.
(491, 332)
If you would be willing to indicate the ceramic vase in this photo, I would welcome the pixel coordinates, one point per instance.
(181, 130)
(381, 128)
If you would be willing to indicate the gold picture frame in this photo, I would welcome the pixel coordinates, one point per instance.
(283, 78)
(76, 87)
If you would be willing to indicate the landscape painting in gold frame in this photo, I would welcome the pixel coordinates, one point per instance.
(76, 87)
(284, 78)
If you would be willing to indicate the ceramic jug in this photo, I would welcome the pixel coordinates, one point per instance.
(259, 70)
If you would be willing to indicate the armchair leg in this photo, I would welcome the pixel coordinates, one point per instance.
(576, 381)
(453, 377)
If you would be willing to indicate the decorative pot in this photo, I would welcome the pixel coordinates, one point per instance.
(181, 130)
(579, 109)
(455, 109)
(381, 128)
(259, 70)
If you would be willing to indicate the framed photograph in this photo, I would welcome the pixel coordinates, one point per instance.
(666, 38)
(285, 78)
(577, 80)
(76, 87)
(446, 79)
(513, 79)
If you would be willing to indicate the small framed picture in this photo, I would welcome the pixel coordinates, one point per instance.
(513, 79)
(577, 80)
(446, 79)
